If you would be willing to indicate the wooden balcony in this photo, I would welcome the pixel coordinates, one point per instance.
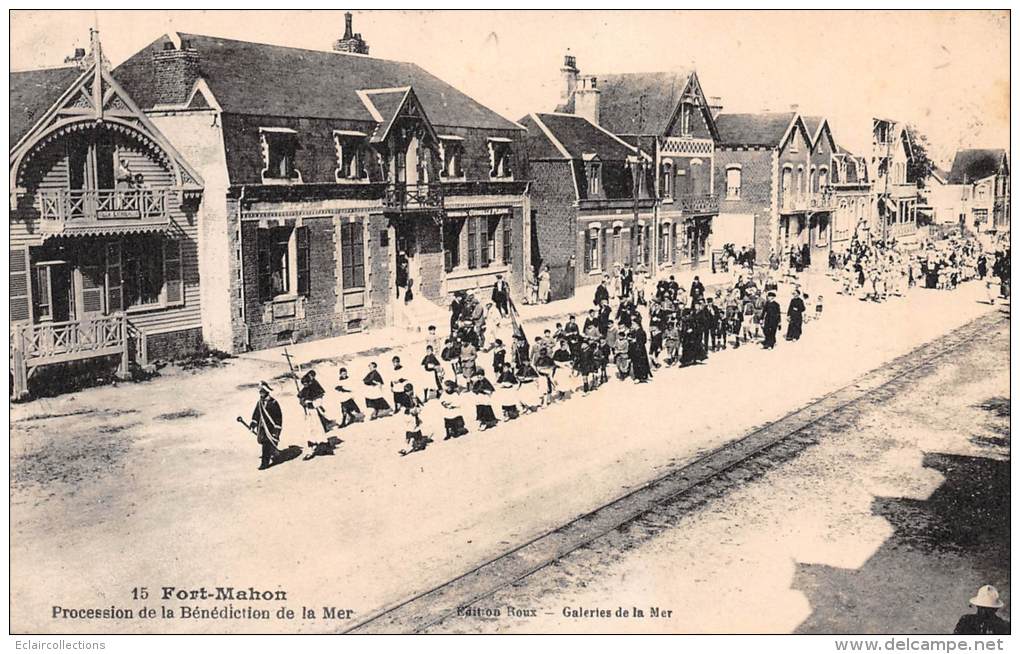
(34, 346)
(413, 197)
(66, 211)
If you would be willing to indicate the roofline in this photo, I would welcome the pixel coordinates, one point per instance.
(549, 135)
(289, 47)
(559, 146)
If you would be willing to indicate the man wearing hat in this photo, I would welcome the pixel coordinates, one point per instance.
(984, 622)
(770, 321)
(267, 423)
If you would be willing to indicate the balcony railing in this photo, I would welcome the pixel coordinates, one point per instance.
(62, 206)
(899, 230)
(34, 346)
(820, 201)
(414, 197)
(697, 204)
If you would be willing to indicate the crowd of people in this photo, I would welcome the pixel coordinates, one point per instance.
(633, 328)
(877, 270)
(473, 376)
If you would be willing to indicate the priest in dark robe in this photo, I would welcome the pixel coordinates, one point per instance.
(640, 366)
(267, 423)
(795, 317)
(770, 321)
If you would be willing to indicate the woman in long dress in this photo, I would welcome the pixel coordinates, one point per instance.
(544, 284)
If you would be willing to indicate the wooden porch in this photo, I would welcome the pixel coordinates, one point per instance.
(44, 344)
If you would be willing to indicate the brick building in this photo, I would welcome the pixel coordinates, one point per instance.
(592, 200)
(320, 168)
(104, 225)
(667, 115)
(771, 176)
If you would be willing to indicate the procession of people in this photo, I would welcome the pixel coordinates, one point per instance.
(486, 370)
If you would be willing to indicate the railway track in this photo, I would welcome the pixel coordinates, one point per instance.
(662, 502)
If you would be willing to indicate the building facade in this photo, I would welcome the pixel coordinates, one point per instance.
(774, 174)
(331, 177)
(592, 201)
(667, 116)
(851, 199)
(979, 182)
(896, 191)
(104, 225)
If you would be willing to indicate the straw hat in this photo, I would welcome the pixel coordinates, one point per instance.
(988, 597)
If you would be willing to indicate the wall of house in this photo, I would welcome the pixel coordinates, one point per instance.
(198, 136)
(554, 223)
(757, 173)
(323, 312)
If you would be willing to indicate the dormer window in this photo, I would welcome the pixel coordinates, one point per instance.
(279, 148)
(593, 173)
(451, 152)
(794, 145)
(500, 155)
(350, 155)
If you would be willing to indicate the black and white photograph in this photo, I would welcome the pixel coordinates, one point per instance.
(567, 321)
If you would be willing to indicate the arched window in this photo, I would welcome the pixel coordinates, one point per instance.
(666, 186)
(823, 178)
(733, 182)
(696, 181)
(787, 187)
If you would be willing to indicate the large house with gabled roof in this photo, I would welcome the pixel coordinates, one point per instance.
(771, 178)
(593, 200)
(668, 116)
(104, 226)
(325, 170)
(981, 175)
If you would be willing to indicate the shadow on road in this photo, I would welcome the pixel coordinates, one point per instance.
(942, 548)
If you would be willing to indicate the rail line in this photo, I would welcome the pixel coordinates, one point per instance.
(660, 502)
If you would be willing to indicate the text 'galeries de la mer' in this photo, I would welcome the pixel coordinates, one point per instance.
(210, 192)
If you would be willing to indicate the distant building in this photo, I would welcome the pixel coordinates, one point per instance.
(104, 225)
(896, 195)
(851, 198)
(980, 179)
(323, 170)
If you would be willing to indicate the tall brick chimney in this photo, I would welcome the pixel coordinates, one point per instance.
(715, 106)
(586, 98)
(351, 42)
(175, 71)
(568, 75)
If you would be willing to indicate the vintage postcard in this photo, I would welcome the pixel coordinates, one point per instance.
(510, 322)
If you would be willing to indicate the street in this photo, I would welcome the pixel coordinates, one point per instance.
(155, 484)
(887, 525)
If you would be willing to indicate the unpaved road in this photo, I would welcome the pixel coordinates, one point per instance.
(888, 524)
(156, 485)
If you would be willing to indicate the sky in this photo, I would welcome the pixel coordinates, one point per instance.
(947, 72)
